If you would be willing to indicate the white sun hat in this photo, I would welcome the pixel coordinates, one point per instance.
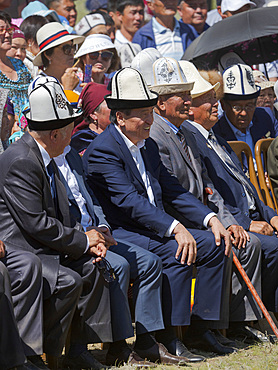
(130, 91)
(234, 5)
(168, 78)
(53, 34)
(49, 108)
(262, 81)
(239, 83)
(88, 22)
(201, 86)
(93, 43)
(143, 62)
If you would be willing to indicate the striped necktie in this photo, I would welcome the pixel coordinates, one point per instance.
(182, 140)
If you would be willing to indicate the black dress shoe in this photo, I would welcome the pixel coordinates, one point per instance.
(158, 353)
(26, 366)
(127, 357)
(37, 361)
(247, 334)
(207, 342)
(177, 348)
(84, 361)
(223, 340)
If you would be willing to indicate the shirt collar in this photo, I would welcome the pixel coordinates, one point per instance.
(236, 131)
(129, 143)
(45, 156)
(61, 158)
(202, 130)
(161, 29)
(172, 127)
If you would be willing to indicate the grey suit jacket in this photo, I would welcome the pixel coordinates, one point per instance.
(192, 175)
(28, 213)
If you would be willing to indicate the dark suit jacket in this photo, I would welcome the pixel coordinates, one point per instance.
(229, 187)
(93, 207)
(28, 213)
(272, 166)
(264, 125)
(111, 172)
(191, 174)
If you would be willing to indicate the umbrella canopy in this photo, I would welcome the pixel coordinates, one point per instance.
(253, 35)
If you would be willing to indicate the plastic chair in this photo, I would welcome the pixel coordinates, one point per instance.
(261, 149)
(240, 147)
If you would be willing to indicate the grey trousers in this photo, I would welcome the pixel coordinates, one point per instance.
(11, 350)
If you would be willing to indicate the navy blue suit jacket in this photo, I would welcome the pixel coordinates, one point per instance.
(111, 172)
(264, 125)
(229, 187)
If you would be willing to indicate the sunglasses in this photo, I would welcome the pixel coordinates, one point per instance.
(106, 270)
(4, 30)
(105, 55)
(68, 49)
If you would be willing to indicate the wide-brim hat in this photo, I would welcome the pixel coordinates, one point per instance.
(143, 62)
(88, 22)
(168, 78)
(50, 35)
(201, 86)
(49, 108)
(239, 83)
(262, 81)
(93, 43)
(130, 91)
(234, 5)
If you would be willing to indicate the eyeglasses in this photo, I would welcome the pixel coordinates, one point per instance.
(68, 49)
(239, 108)
(106, 270)
(105, 55)
(10, 31)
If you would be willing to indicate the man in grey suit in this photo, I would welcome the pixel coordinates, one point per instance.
(35, 218)
(180, 155)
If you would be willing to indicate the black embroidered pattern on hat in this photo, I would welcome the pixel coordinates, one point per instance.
(60, 101)
(231, 81)
(165, 73)
(250, 78)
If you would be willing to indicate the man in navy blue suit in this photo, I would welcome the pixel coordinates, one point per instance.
(240, 196)
(241, 119)
(124, 168)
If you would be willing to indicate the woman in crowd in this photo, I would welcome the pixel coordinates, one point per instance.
(14, 76)
(30, 27)
(19, 45)
(56, 54)
(99, 52)
(267, 96)
(95, 116)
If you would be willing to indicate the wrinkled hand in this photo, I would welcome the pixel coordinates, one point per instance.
(238, 235)
(2, 249)
(186, 245)
(261, 227)
(100, 235)
(69, 79)
(219, 232)
(274, 224)
(98, 252)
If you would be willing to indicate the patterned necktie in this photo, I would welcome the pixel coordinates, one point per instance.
(182, 140)
(51, 173)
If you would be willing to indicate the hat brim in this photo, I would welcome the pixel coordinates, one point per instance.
(243, 97)
(119, 104)
(51, 124)
(172, 88)
(76, 40)
(215, 87)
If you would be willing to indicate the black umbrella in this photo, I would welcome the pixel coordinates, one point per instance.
(253, 35)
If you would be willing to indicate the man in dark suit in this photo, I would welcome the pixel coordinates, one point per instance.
(36, 219)
(128, 262)
(241, 119)
(179, 153)
(131, 184)
(239, 194)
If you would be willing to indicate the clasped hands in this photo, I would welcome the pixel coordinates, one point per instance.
(100, 240)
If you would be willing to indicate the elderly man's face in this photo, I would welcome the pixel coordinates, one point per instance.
(194, 12)
(163, 7)
(67, 9)
(205, 109)
(136, 126)
(175, 107)
(239, 112)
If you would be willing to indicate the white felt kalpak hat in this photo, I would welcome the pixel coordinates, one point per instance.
(130, 91)
(229, 59)
(168, 78)
(201, 86)
(50, 35)
(234, 5)
(88, 22)
(239, 83)
(49, 108)
(143, 62)
(262, 81)
(93, 43)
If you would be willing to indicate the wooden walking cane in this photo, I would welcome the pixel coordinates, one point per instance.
(255, 294)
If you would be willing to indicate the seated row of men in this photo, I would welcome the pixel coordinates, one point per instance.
(160, 205)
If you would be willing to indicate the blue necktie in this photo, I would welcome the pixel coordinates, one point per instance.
(51, 173)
